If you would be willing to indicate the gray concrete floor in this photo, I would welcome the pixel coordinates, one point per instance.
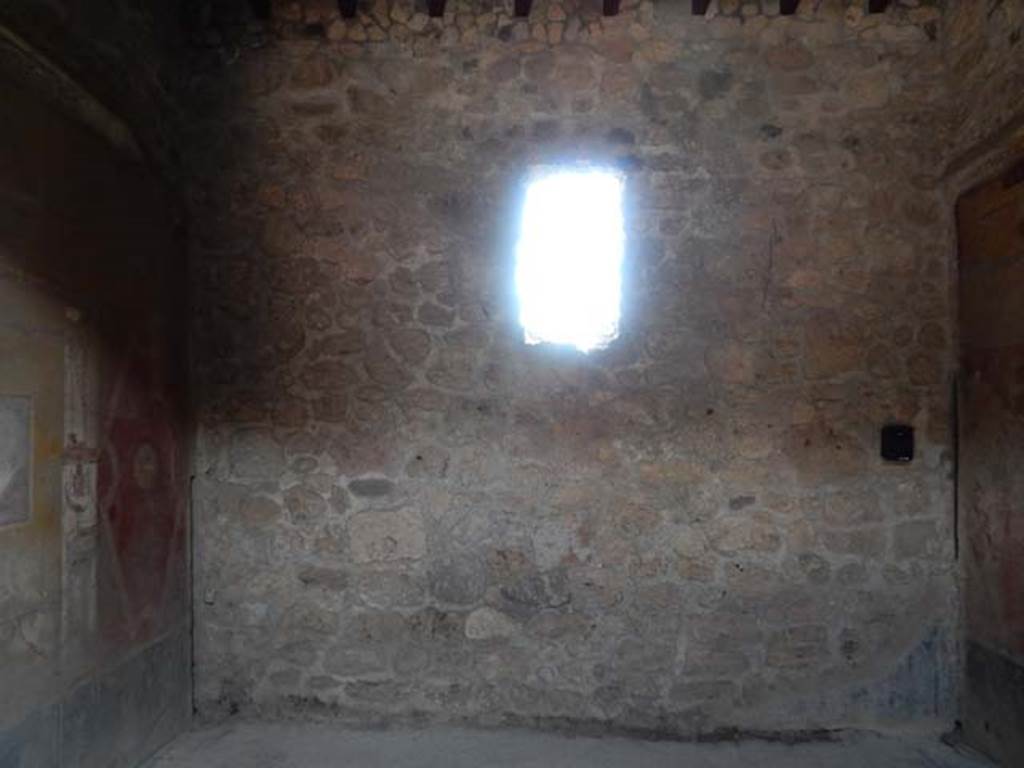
(311, 745)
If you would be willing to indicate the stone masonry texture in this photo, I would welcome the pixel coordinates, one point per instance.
(986, 73)
(404, 511)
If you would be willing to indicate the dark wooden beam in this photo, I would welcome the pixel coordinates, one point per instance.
(788, 7)
(877, 6)
(260, 9)
(700, 7)
(523, 7)
(347, 8)
(611, 7)
(435, 7)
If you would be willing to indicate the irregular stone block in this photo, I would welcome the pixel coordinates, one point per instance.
(487, 624)
(255, 454)
(428, 461)
(258, 510)
(387, 536)
(371, 486)
(331, 579)
(460, 580)
(306, 507)
(390, 590)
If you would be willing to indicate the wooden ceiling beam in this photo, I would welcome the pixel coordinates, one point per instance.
(435, 8)
(523, 7)
(260, 9)
(611, 7)
(700, 7)
(877, 6)
(788, 7)
(347, 8)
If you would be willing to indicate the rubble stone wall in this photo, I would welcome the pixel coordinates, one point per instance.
(404, 511)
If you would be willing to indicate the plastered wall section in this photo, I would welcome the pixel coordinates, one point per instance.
(93, 471)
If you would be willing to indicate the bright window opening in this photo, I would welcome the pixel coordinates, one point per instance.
(569, 258)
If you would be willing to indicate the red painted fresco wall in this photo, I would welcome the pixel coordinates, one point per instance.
(141, 487)
(92, 272)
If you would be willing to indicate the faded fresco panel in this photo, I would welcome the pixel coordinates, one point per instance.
(15, 458)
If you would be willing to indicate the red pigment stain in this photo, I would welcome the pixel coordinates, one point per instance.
(140, 493)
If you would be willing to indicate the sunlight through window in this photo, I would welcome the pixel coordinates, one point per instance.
(569, 258)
